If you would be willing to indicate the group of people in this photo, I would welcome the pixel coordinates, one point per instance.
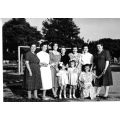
(52, 70)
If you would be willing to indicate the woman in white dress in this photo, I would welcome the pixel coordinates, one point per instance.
(45, 69)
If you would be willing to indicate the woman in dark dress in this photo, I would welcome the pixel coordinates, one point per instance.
(32, 72)
(64, 57)
(102, 63)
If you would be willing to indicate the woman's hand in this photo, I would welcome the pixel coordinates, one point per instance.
(98, 77)
(53, 64)
(43, 64)
(104, 71)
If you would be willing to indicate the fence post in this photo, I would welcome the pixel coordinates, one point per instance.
(19, 60)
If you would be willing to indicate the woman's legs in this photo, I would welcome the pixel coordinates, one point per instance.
(54, 90)
(44, 93)
(35, 94)
(29, 95)
(98, 89)
(106, 91)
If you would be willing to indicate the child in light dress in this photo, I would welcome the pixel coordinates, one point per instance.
(63, 80)
(85, 80)
(73, 78)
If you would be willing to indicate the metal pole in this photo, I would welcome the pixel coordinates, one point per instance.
(21, 64)
(19, 60)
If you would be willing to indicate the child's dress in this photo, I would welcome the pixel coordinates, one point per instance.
(73, 76)
(87, 88)
(63, 77)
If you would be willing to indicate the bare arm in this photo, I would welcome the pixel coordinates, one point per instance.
(91, 63)
(106, 66)
(28, 67)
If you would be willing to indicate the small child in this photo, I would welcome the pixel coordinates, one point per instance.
(73, 78)
(63, 80)
(85, 80)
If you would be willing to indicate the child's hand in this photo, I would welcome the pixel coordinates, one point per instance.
(98, 77)
(81, 84)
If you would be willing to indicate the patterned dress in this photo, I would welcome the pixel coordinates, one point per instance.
(32, 82)
(77, 59)
(86, 84)
(54, 59)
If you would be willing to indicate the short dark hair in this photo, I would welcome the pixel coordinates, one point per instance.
(43, 43)
(71, 62)
(100, 43)
(33, 43)
(63, 47)
(54, 44)
(85, 45)
(83, 67)
(74, 47)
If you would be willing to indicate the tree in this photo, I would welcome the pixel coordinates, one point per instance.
(63, 31)
(18, 32)
(113, 45)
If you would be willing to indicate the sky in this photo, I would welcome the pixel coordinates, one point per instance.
(90, 28)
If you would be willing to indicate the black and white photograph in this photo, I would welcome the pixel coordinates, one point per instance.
(61, 59)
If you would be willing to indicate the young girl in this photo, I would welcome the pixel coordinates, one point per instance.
(85, 80)
(63, 80)
(73, 78)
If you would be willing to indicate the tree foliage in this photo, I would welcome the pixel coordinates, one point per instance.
(113, 45)
(18, 32)
(63, 31)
